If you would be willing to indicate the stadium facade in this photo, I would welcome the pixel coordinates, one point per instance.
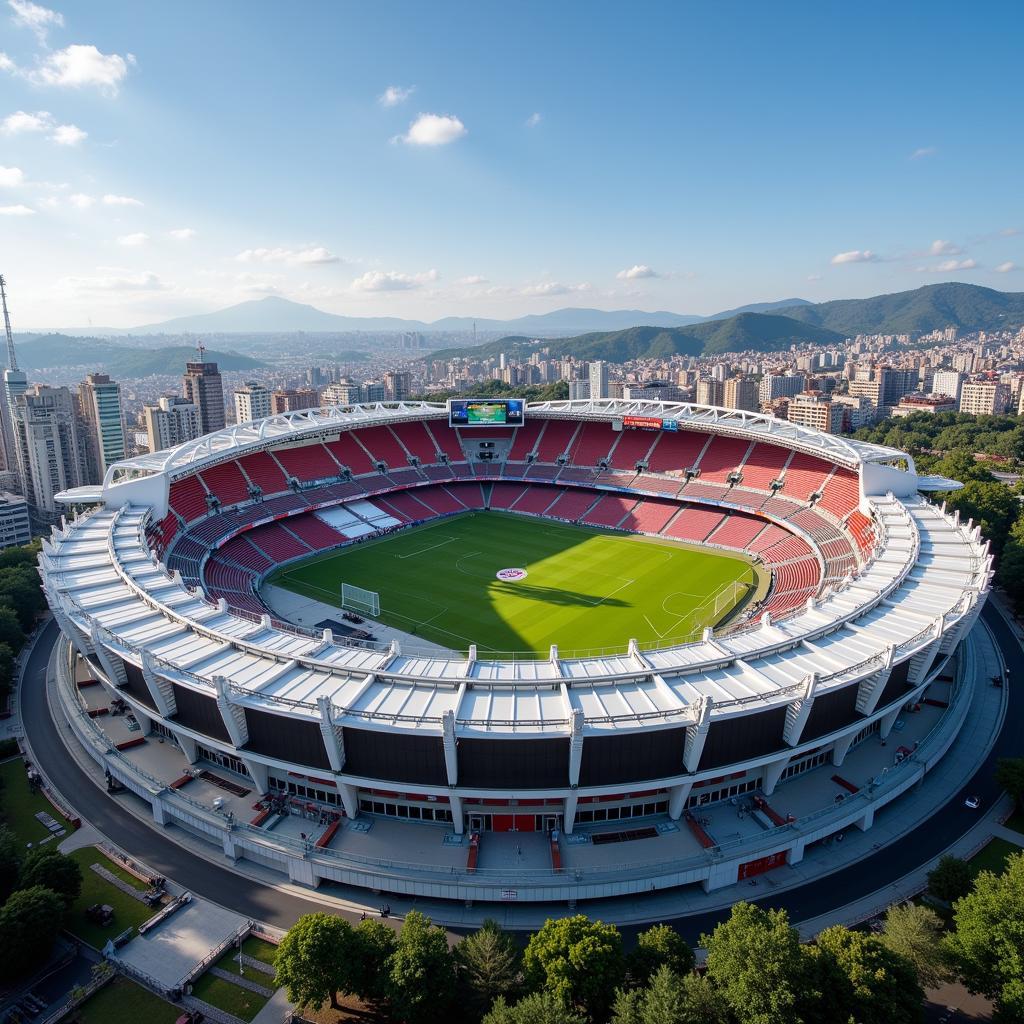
(155, 583)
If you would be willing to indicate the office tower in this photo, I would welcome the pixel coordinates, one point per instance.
(741, 393)
(15, 528)
(51, 458)
(710, 392)
(104, 437)
(172, 421)
(373, 391)
(202, 386)
(597, 374)
(948, 382)
(252, 402)
(293, 399)
(579, 389)
(397, 385)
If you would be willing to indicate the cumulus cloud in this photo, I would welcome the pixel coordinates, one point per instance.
(112, 200)
(533, 120)
(472, 279)
(923, 151)
(854, 256)
(637, 272)
(182, 234)
(392, 281)
(554, 288)
(81, 200)
(42, 121)
(943, 248)
(20, 210)
(68, 135)
(433, 130)
(814, 277)
(78, 66)
(39, 19)
(6, 64)
(297, 257)
(395, 94)
(136, 238)
(116, 280)
(1005, 268)
(948, 266)
(11, 176)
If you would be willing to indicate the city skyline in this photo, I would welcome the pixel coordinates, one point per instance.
(420, 164)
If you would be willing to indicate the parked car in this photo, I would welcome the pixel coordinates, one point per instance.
(974, 802)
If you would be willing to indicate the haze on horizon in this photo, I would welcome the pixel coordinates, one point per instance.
(420, 162)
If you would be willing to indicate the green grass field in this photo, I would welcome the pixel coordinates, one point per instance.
(586, 589)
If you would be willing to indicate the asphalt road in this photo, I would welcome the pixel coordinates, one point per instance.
(281, 909)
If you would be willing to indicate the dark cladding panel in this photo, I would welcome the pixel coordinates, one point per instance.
(514, 764)
(136, 685)
(896, 687)
(732, 740)
(634, 757)
(200, 713)
(287, 739)
(397, 757)
(831, 711)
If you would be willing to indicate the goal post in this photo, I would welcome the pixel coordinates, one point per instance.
(358, 599)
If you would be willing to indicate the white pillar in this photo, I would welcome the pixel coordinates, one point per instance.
(697, 734)
(258, 772)
(451, 752)
(455, 802)
(569, 813)
(772, 773)
(888, 721)
(576, 723)
(349, 799)
(677, 797)
(841, 748)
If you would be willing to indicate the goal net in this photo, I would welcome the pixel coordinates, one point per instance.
(358, 599)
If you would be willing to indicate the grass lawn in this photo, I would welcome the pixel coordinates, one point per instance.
(260, 950)
(18, 805)
(586, 589)
(993, 856)
(127, 911)
(124, 1002)
(226, 996)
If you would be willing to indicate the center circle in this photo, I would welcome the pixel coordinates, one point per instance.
(511, 575)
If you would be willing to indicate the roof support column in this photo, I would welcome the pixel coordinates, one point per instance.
(111, 665)
(921, 662)
(569, 813)
(869, 690)
(349, 799)
(697, 734)
(772, 773)
(841, 748)
(799, 711)
(888, 721)
(677, 797)
(233, 715)
(576, 723)
(451, 751)
(334, 738)
(258, 772)
(160, 689)
(455, 802)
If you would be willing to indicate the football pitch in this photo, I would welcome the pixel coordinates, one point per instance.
(584, 589)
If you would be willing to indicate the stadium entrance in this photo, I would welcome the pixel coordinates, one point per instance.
(514, 822)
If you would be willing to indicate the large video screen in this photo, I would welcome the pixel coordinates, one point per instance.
(485, 412)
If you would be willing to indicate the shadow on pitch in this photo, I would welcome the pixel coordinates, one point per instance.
(556, 596)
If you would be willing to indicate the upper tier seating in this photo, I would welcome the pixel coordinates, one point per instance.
(571, 504)
(723, 456)
(505, 495)
(525, 440)
(308, 463)
(349, 452)
(693, 523)
(676, 451)
(764, 464)
(226, 483)
(805, 475)
(447, 440)
(188, 498)
(610, 510)
(556, 439)
(841, 494)
(632, 448)
(737, 531)
(264, 472)
(537, 499)
(384, 446)
(862, 529)
(649, 516)
(770, 535)
(418, 441)
(440, 500)
(593, 442)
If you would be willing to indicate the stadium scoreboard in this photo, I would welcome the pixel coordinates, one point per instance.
(486, 412)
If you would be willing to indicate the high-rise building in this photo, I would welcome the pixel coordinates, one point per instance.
(373, 391)
(104, 436)
(293, 399)
(51, 456)
(345, 392)
(203, 387)
(780, 385)
(710, 392)
(15, 528)
(597, 375)
(948, 382)
(172, 421)
(252, 402)
(814, 409)
(985, 398)
(397, 385)
(741, 393)
(579, 389)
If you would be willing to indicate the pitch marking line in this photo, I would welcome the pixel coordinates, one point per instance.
(432, 547)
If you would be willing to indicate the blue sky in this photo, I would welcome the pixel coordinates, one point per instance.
(493, 160)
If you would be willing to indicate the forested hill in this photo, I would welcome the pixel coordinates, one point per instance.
(761, 331)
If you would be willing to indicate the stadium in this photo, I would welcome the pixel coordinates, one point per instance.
(426, 641)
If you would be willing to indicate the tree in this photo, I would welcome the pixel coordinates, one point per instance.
(11, 632)
(10, 862)
(877, 987)
(536, 1008)
(578, 961)
(950, 879)
(659, 946)
(756, 962)
(992, 506)
(51, 869)
(486, 966)
(670, 999)
(420, 971)
(315, 960)
(916, 933)
(1010, 775)
(988, 944)
(29, 923)
(374, 942)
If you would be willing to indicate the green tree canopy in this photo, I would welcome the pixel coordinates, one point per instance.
(374, 944)
(10, 862)
(988, 944)
(916, 933)
(11, 632)
(420, 972)
(992, 506)
(50, 868)
(315, 960)
(659, 946)
(1010, 775)
(577, 960)
(486, 966)
(535, 1008)
(950, 879)
(29, 923)
(670, 999)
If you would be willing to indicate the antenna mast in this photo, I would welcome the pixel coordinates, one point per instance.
(201, 348)
(12, 359)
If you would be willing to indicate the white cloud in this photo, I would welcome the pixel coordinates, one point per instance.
(11, 176)
(948, 266)
(943, 248)
(39, 19)
(814, 277)
(472, 279)
(433, 130)
(533, 120)
(76, 66)
(16, 211)
(854, 256)
(1005, 268)
(392, 281)
(636, 272)
(112, 200)
(554, 288)
(922, 152)
(81, 200)
(135, 239)
(182, 234)
(116, 281)
(395, 94)
(68, 135)
(6, 64)
(311, 255)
